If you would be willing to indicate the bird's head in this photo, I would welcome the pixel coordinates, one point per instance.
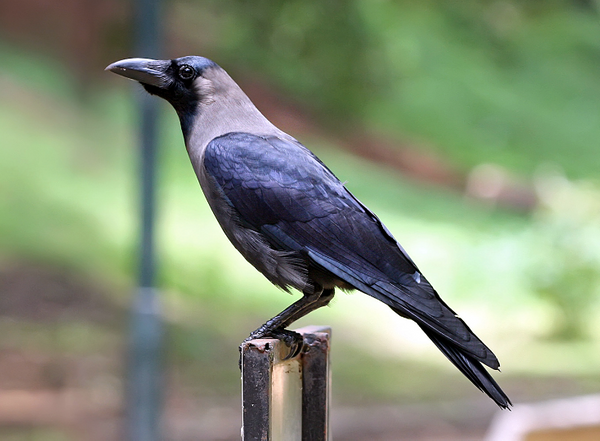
(208, 102)
(183, 82)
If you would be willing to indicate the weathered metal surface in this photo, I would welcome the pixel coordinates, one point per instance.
(286, 400)
(316, 384)
(256, 387)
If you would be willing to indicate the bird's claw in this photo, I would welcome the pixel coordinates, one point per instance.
(292, 340)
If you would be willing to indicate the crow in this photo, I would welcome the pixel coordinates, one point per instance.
(293, 219)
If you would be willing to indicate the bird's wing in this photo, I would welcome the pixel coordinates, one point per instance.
(280, 189)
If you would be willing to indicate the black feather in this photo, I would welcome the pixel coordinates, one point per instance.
(281, 190)
(471, 368)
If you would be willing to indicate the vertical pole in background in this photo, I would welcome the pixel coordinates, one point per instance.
(144, 376)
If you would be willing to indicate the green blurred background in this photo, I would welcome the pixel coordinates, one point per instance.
(471, 128)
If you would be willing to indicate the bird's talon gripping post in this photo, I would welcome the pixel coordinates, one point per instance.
(292, 340)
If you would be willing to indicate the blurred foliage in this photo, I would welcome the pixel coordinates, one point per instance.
(510, 82)
(566, 254)
(323, 50)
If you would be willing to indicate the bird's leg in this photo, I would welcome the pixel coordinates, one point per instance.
(325, 296)
(275, 327)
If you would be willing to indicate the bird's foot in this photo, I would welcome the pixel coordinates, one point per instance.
(293, 340)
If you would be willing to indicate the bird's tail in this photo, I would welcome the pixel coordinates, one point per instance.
(470, 367)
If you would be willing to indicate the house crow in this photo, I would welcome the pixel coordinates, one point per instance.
(292, 218)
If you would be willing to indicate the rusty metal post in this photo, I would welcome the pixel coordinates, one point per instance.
(316, 383)
(287, 400)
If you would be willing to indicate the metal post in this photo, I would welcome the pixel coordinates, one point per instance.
(287, 400)
(144, 382)
(316, 383)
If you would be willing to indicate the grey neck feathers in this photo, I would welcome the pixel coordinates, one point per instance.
(224, 108)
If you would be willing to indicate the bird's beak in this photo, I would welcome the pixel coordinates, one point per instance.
(144, 70)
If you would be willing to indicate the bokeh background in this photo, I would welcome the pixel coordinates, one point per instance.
(471, 128)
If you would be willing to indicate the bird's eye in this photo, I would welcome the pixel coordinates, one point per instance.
(186, 72)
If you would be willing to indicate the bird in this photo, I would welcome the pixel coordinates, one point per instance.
(290, 217)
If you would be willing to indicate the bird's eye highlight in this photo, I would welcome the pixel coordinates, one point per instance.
(186, 72)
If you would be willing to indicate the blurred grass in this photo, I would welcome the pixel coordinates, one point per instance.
(35, 434)
(68, 197)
